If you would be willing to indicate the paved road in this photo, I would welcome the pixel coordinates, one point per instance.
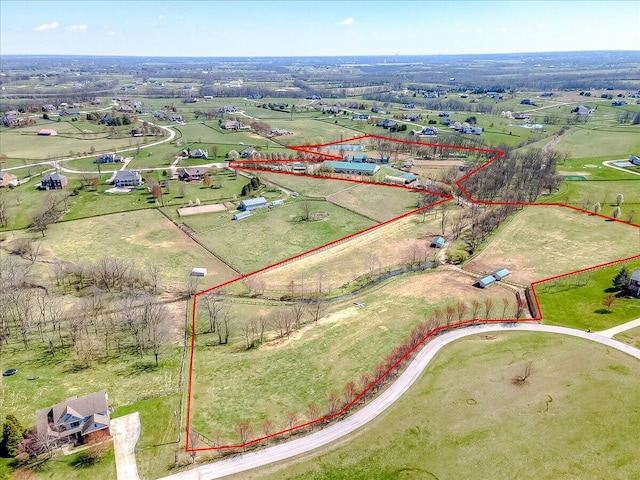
(620, 328)
(609, 163)
(125, 432)
(378, 405)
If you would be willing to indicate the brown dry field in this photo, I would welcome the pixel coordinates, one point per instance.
(197, 210)
(381, 248)
(541, 242)
(445, 286)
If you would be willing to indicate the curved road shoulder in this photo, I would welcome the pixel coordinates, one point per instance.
(379, 404)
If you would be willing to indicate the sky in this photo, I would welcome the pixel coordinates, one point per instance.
(220, 28)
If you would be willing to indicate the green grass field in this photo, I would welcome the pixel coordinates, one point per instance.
(231, 383)
(283, 234)
(540, 242)
(139, 236)
(465, 419)
(571, 303)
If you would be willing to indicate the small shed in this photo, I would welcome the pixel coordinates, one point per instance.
(437, 242)
(252, 204)
(484, 282)
(500, 274)
(198, 272)
(241, 215)
(277, 203)
(47, 132)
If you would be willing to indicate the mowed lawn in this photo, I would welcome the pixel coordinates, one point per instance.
(540, 242)
(269, 236)
(573, 303)
(577, 417)
(586, 142)
(139, 236)
(231, 383)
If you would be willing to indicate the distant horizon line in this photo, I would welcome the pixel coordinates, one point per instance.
(395, 55)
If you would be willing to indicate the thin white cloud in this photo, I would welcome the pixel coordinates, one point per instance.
(111, 33)
(160, 17)
(503, 30)
(77, 28)
(544, 26)
(347, 21)
(478, 30)
(47, 26)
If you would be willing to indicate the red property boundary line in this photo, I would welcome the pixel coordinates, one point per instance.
(321, 156)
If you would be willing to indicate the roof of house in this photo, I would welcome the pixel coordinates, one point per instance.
(94, 405)
(53, 176)
(635, 276)
(438, 241)
(126, 175)
(191, 171)
(8, 175)
(408, 176)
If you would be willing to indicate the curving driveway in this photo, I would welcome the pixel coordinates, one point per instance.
(379, 404)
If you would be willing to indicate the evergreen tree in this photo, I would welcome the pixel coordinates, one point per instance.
(11, 437)
(622, 279)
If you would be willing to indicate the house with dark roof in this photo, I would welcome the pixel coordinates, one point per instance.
(127, 178)
(231, 125)
(248, 152)
(198, 153)
(53, 181)
(582, 110)
(76, 420)
(194, 173)
(634, 160)
(109, 158)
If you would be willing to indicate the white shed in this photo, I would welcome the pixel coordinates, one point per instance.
(198, 272)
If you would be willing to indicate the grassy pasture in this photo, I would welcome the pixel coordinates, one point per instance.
(586, 142)
(231, 383)
(282, 234)
(464, 407)
(373, 252)
(540, 242)
(139, 236)
(572, 303)
(25, 143)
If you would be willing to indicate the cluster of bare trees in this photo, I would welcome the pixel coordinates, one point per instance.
(52, 208)
(108, 274)
(94, 326)
(517, 177)
(277, 324)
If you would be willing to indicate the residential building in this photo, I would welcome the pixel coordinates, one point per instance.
(198, 153)
(53, 181)
(109, 158)
(76, 420)
(231, 125)
(8, 179)
(193, 173)
(127, 178)
(634, 283)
